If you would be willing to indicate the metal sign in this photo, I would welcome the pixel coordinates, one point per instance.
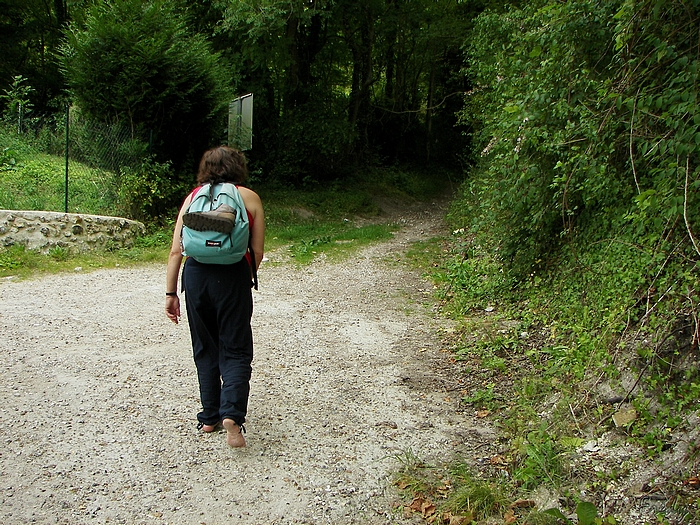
(240, 122)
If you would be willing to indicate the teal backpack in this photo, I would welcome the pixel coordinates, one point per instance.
(212, 247)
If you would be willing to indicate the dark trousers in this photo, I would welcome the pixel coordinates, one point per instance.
(219, 308)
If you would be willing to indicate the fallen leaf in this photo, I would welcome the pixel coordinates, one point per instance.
(623, 418)
(498, 460)
(428, 509)
(693, 482)
(482, 413)
(509, 518)
(417, 504)
(458, 520)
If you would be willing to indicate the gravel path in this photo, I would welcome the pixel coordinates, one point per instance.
(99, 397)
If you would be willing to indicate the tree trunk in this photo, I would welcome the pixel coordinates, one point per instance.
(429, 114)
(362, 77)
(60, 8)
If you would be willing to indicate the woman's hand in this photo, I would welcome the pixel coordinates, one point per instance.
(172, 308)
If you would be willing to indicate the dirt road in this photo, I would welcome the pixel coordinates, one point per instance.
(99, 397)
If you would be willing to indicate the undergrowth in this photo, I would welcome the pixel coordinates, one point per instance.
(304, 223)
(457, 495)
(553, 359)
(574, 268)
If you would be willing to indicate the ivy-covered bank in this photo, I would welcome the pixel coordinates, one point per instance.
(579, 231)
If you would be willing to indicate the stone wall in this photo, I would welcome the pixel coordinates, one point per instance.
(43, 230)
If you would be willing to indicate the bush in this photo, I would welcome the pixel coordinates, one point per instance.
(137, 65)
(148, 191)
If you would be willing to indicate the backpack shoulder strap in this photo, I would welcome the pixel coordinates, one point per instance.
(198, 192)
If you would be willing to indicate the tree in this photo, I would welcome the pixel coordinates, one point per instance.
(336, 82)
(284, 53)
(587, 118)
(347, 81)
(30, 32)
(135, 63)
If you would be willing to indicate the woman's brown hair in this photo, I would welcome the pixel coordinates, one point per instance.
(222, 164)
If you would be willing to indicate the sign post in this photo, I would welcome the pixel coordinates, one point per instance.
(240, 122)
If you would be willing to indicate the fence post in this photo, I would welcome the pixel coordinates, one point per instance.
(67, 142)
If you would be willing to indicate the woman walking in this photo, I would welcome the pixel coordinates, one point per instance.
(219, 301)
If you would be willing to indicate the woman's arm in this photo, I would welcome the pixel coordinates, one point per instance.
(172, 302)
(254, 206)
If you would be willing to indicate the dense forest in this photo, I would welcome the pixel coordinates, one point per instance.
(574, 125)
(337, 84)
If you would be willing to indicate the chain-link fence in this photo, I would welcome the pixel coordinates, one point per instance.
(64, 162)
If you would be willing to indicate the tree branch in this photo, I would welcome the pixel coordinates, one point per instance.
(685, 205)
(634, 168)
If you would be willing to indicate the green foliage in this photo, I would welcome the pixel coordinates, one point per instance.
(335, 239)
(483, 397)
(106, 171)
(315, 138)
(474, 278)
(137, 64)
(148, 191)
(309, 223)
(585, 202)
(32, 180)
(156, 237)
(105, 146)
(341, 84)
(566, 133)
(529, 118)
(466, 497)
(320, 218)
(30, 33)
(421, 183)
(476, 497)
(337, 85)
(14, 257)
(8, 159)
(18, 262)
(578, 223)
(410, 478)
(540, 461)
(17, 104)
(59, 253)
(586, 514)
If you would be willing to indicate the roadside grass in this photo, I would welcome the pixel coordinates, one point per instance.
(302, 239)
(20, 263)
(454, 494)
(334, 220)
(33, 180)
(535, 357)
(331, 220)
